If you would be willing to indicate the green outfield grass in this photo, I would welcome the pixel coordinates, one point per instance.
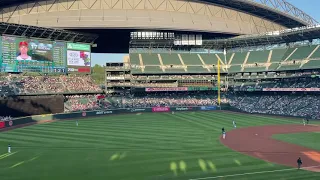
(310, 140)
(149, 146)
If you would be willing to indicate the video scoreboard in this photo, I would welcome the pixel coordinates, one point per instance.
(19, 54)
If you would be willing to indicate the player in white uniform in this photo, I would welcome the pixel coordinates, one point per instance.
(9, 148)
(223, 133)
(304, 122)
(234, 124)
(77, 123)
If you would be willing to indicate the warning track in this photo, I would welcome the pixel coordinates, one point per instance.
(258, 142)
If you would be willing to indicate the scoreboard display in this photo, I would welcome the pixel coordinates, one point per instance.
(78, 58)
(19, 54)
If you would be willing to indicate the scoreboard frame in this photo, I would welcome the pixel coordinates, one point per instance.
(23, 66)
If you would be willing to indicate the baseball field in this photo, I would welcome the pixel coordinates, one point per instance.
(180, 146)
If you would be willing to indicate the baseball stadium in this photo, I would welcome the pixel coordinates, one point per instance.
(223, 89)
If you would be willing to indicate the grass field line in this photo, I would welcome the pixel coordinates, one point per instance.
(253, 173)
(7, 155)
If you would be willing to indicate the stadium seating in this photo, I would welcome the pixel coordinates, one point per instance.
(301, 53)
(134, 58)
(175, 70)
(234, 68)
(238, 58)
(191, 59)
(196, 69)
(304, 57)
(150, 59)
(316, 54)
(289, 105)
(170, 59)
(209, 59)
(153, 69)
(258, 57)
(18, 85)
(312, 64)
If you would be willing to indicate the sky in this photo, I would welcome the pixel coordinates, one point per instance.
(311, 7)
(103, 58)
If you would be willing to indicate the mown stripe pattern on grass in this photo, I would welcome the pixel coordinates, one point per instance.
(184, 145)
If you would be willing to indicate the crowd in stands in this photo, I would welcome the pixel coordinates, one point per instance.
(89, 102)
(277, 103)
(165, 99)
(155, 77)
(5, 118)
(81, 102)
(285, 83)
(288, 104)
(20, 85)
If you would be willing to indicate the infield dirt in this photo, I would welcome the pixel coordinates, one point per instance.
(258, 142)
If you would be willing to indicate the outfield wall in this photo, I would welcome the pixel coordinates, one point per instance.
(84, 114)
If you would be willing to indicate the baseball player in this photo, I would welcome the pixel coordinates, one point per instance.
(299, 161)
(77, 123)
(9, 148)
(223, 133)
(234, 124)
(304, 122)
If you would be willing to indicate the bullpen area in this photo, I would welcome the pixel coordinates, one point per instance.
(182, 146)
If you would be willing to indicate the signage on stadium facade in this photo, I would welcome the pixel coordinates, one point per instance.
(138, 110)
(208, 108)
(115, 78)
(2, 124)
(103, 112)
(183, 108)
(167, 89)
(80, 47)
(293, 89)
(160, 109)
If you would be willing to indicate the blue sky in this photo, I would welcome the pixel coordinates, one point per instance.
(103, 58)
(311, 7)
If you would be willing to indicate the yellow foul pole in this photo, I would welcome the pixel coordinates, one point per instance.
(219, 98)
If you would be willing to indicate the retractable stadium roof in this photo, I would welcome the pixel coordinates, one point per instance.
(279, 11)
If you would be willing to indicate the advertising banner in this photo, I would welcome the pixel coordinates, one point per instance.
(115, 78)
(183, 108)
(138, 110)
(79, 47)
(104, 112)
(2, 124)
(160, 109)
(167, 89)
(78, 58)
(208, 108)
